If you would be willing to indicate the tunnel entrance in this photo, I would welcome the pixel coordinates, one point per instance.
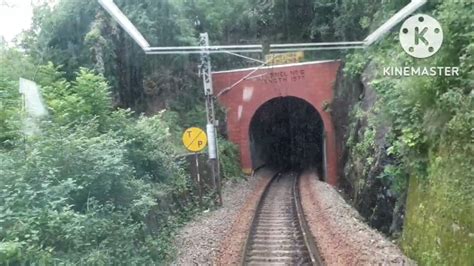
(286, 133)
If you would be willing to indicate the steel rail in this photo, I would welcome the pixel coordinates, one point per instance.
(314, 253)
(309, 245)
(254, 220)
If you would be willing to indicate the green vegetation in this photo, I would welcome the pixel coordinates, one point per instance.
(102, 181)
(430, 139)
(95, 186)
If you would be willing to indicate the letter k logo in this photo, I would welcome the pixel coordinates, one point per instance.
(421, 36)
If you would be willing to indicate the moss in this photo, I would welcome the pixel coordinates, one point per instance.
(439, 225)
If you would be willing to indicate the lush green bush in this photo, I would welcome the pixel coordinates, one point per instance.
(68, 194)
(87, 97)
(9, 112)
(95, 186)
(431, 121)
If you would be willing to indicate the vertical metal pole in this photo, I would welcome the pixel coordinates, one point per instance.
(210, 112)
(198, 176)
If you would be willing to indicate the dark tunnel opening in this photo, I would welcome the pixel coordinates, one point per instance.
(286, 134)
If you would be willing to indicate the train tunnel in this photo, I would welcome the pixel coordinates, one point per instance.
(286, 133)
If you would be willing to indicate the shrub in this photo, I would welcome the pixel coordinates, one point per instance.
(94, 186)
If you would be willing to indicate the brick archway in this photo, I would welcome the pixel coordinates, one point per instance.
(313, 82)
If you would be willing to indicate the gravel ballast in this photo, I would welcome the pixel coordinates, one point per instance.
(342, 237)
(206, 239)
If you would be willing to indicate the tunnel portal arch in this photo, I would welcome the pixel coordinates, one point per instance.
(312, 82)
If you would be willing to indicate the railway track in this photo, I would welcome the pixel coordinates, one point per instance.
(279, 234)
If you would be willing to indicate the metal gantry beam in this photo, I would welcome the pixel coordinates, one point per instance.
(217, 49)
(394, 20)
(315, 44)
(128, 26)
(125, 23)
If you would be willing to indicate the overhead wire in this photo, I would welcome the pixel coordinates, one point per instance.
(240, 80)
